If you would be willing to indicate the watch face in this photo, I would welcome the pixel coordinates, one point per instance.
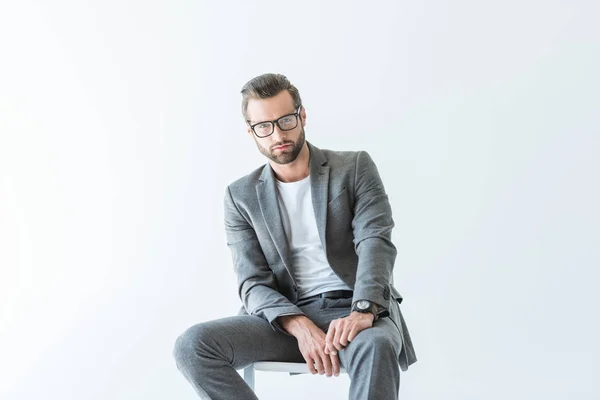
(362, 305)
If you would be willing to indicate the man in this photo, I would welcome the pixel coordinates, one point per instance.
(310, 236)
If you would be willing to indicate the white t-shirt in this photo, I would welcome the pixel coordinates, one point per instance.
(312, 272)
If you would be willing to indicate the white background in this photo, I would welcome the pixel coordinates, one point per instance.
(120, 127)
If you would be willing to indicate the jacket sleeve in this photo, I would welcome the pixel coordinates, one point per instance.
(372, 226)
(257, 286)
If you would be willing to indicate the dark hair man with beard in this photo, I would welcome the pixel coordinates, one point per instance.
(310, 236)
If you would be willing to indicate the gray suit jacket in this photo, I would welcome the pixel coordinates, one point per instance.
(354, 220)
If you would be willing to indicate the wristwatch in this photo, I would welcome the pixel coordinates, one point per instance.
(365, 307)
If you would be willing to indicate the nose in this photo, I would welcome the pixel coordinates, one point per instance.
(278, 135)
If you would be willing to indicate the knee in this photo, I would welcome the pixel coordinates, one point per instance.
(183, 349)
(189, 344)
(377, 341)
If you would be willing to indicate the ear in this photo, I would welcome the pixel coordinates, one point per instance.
(303, 116)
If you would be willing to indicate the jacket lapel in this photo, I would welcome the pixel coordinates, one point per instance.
(319, 186)
(269, 206)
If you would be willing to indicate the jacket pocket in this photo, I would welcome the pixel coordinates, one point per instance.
(339, 205)
(343, 192)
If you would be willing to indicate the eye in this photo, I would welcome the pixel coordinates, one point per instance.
(263, 125)
(286, 120)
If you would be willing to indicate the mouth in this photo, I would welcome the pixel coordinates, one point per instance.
(282, 147)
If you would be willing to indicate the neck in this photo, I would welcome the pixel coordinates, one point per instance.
(296, 170)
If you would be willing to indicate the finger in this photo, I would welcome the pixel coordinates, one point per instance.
(329, 346)
(310, 362)
(319, 365)
(328, 351)
(344, 336)
(335, 365)
(337, 337)
(326, 364)
(353, 332)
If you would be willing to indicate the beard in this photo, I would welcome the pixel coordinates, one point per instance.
(286, 156)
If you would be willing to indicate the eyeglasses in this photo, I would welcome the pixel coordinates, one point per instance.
(285, 123)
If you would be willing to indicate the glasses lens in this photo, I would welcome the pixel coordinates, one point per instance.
(287, 122)
(263, 129)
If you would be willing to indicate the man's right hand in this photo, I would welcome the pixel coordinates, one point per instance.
(311, 342)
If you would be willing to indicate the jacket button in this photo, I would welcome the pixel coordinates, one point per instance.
(386, 293)
(295, 288)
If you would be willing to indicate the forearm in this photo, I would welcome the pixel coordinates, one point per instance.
(372, 228)
(269, 304)
(374, 271)
(296, 325)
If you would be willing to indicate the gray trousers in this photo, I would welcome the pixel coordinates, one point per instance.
(208, 354)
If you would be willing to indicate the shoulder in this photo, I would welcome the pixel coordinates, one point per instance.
(247, 182)
(352, 167)
(346, 159)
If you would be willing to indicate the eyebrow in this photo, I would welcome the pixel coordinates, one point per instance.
(271, 120)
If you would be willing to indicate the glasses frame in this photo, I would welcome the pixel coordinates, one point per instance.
(276, 121)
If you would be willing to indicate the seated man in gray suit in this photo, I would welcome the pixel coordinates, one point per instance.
(310, 235)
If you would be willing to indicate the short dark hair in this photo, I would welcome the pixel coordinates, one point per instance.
(265, 86)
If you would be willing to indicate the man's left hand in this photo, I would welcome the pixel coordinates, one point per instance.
(343, 330)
